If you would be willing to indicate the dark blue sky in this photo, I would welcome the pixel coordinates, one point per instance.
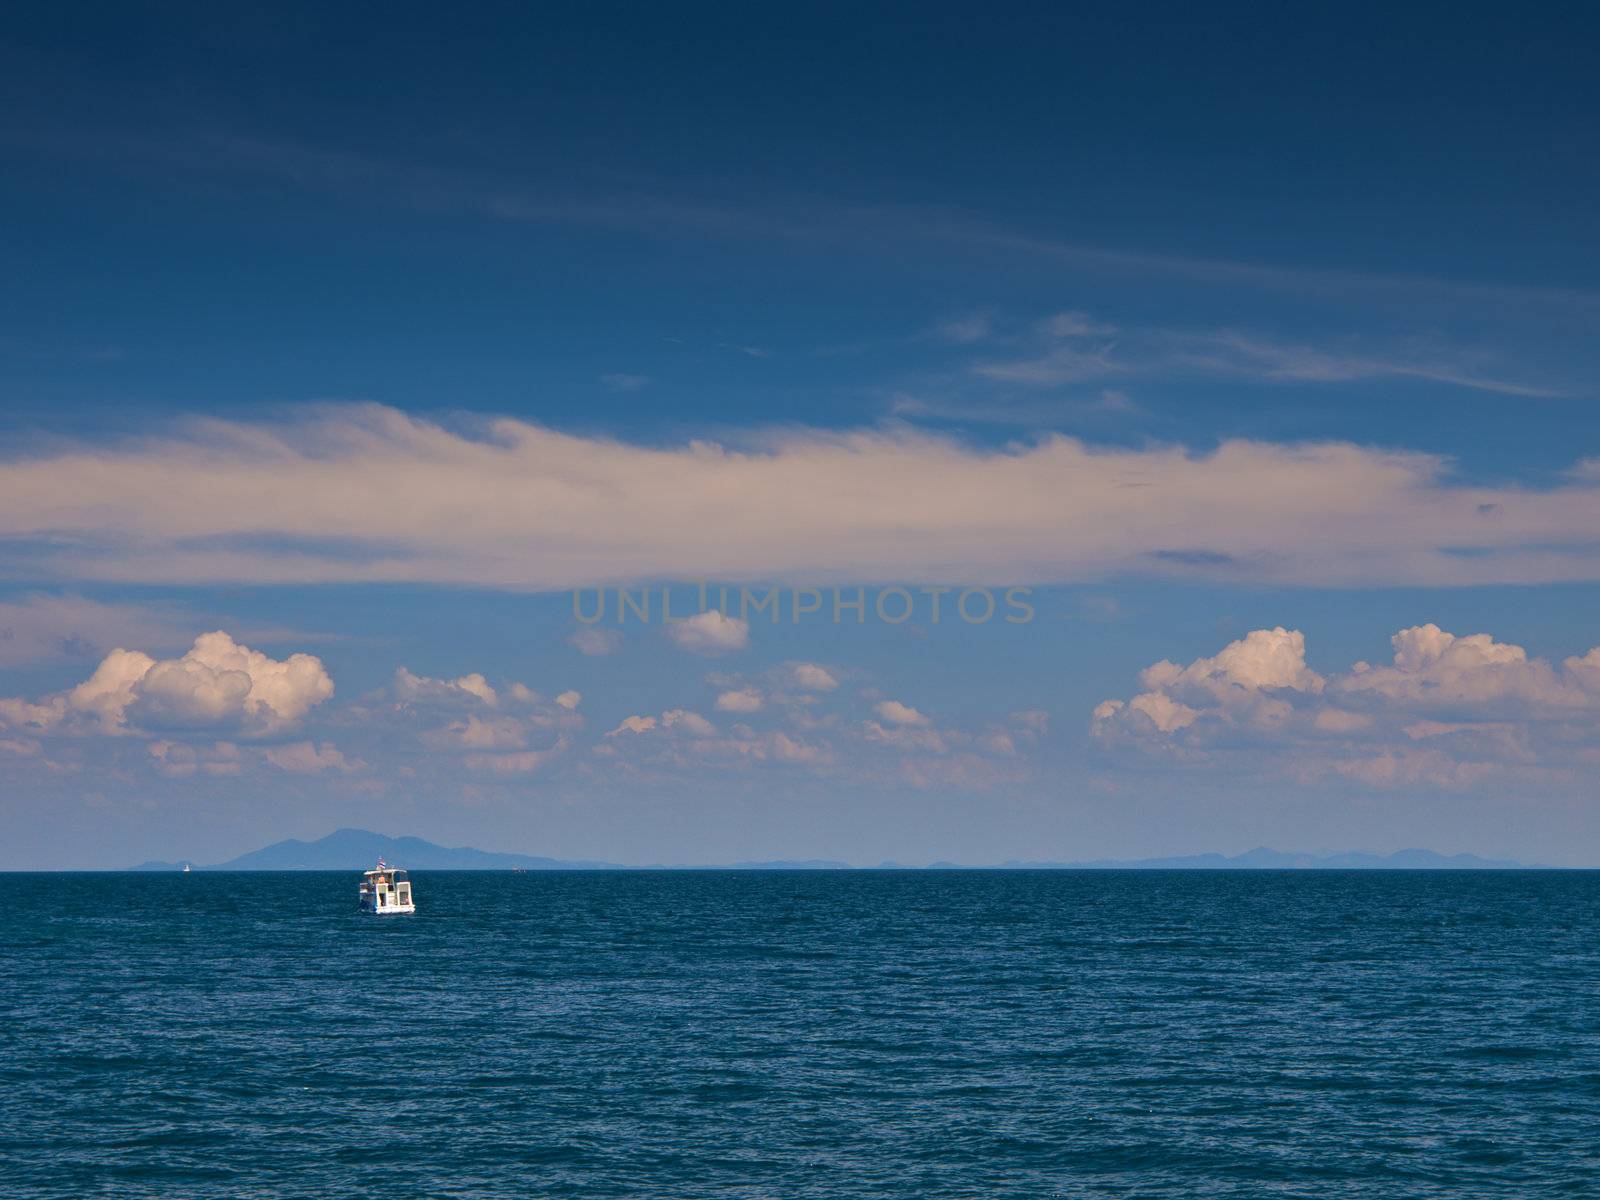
(220, 209)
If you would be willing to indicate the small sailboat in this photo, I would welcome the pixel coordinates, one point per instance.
(386, 890)
(185, 868)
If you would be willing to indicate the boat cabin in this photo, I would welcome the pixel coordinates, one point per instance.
(385, 890)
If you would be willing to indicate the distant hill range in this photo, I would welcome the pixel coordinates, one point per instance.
(357, 849)
(1262, 859)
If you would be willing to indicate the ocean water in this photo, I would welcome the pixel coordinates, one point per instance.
(799, 1034)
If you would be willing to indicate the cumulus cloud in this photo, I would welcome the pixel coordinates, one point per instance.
(409, 687)
(469, 723)
(595, 641)
(1246, 681)
(112, 689)
(812, 677)
(635, 724)
(690, 722)
(710, 632)
(686, 742)
(482, 733)
(217, 683)
(308, 758)
(1448, 711)
(739, 700)
(896, 746)
(178, 760)
(897, 713)
(430, 732)
(521, 762)
(1436, 670)
(681, 719)
(509, 504)
(1034, 722)
(907, 735)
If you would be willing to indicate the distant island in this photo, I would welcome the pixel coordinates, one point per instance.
(1263, 859)
(354, 849)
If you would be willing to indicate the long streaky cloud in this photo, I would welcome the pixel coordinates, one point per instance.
(366, 493)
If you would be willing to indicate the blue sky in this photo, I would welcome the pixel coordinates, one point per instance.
(367, 336)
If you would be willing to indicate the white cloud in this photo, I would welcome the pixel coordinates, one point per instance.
(594, 641)
(218, 682)
(636, 724)
(906, 736)
(113, 687)
(705, 748)
(897, 713)
(1264, 658)
(1337, 720)
(409, 688)
(783, 748)
(308, 758)
(181, 761)
(1034, 722)
(813, 678)
(1448, 712)
(679, 718)
(519, 763)
(710, 632)
(525, 507)
(1434, 669)
(467, 722)
(1165, 713)
(1249, 682)
(483, 733)
(739, 700)
(1073, 346)
(692, 722)
(898, 746)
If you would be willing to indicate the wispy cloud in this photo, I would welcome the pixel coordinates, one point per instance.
(40, 626)
(1074, 348)
(964, 331)
(1041, 413)
(366, 493)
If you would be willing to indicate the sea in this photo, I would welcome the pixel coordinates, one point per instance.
(850, 1034)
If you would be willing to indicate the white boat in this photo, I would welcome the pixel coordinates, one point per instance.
(385, 890)
(185, 868)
